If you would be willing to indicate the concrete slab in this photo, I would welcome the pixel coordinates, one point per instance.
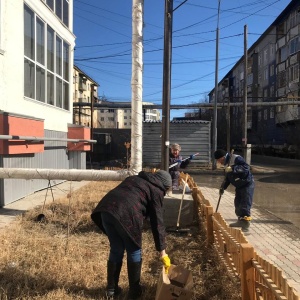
(171, 209)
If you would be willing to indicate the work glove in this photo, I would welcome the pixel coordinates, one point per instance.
(167, 262)
(192, 156)
(228, 169)
(221, 191)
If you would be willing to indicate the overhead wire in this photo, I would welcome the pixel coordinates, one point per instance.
(124, 53)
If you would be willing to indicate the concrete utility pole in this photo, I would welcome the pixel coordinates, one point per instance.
(165, 135)
(215, 123)
(245, 125)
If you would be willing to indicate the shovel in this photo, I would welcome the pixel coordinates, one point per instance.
(178, 229)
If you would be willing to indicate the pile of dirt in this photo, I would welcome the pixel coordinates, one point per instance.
(63, 256)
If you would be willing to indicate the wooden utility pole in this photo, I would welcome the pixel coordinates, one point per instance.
(244, 139)
(165, 135)
(215, 123)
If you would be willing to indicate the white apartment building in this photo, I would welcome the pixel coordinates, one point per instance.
(36, 73)
(121, 117)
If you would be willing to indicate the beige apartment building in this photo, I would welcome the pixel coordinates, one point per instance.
(121, 117)
(85, 95)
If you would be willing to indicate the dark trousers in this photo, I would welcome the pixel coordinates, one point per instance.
(243, 200)
(119, 241)
(175, 178)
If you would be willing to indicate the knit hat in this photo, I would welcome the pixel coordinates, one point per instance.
(219, 153)
(164, 177)
(176, 147)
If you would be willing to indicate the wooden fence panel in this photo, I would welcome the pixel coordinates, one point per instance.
(260, 280)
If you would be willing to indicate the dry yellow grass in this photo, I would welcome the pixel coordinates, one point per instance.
(65, 256)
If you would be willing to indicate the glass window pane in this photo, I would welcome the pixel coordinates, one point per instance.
(50, 48)
(58, 8)
(50, 4)
(28, 32)
(40, 84)
(29, 75)
(58, 92)
(58, 55)
(50, 88)
(66, 61)
(66, 12)
(40, 41)
(66, 96)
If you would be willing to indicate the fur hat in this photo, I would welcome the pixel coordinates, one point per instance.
(165, 178)
(219, 153)
(176, 147)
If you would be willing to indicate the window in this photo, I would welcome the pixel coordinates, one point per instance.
(111, 110)
(281, 79)
(266, 73)
(266, 114)
(46, 62)
(272, 52)
(294, 45)
(272, 113)
(294, 18)
(271, 70)
(61, 9)
(265, 56)
(125, 117)
(294, 72)
(283, 54)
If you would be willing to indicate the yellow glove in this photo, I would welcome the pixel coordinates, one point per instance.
(167, 262)
(228, 169)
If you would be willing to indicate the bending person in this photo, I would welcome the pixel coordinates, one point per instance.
(120, 216)
(237, 173)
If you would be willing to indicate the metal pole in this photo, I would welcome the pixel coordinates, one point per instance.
(165, 135)
(244, 139)
(215, 131)
(92, 114)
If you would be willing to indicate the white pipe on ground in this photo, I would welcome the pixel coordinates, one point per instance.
(70, 175)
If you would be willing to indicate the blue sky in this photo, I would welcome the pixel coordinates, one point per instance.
(103, 32)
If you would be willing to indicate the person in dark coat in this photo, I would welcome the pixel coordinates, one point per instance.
(176, 161)
(120, 215)
(237, 173)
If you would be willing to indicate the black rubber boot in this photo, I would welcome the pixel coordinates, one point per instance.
(242, 223)
(113, 274)
(134, 277)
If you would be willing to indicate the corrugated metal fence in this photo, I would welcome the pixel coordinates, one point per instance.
(193, 137)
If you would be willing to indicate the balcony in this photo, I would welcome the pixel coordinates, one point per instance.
(82, 85)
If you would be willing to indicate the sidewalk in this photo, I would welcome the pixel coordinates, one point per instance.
(11, 210)
(274, 239)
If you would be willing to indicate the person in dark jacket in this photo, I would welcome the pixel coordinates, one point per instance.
(237, 173)
(176, 162)
(120, 215)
